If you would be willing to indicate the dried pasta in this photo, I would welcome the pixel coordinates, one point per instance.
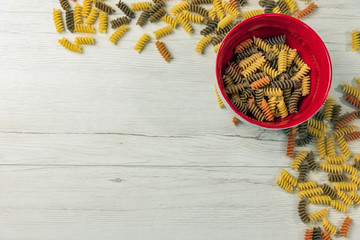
(82, 28)
(200, 47)
(138, 6)
(345, 227)
(84, 40)
(125, 9)
(163, 50)
(142, 42)
(59, 25)
(161, 32)
(115, 37)
(103, 22)
(69, 45)
(306, 11)
(329, 227)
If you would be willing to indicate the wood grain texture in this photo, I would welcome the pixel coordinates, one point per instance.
(111, 144)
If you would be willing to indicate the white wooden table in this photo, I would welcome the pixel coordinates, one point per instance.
(111, 144)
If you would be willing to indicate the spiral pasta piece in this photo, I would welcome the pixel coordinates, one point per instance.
(119, 22)
(351, 91)
(306, 11)
(338, 206)
(84, 40)
(65, 4)
(251, 13)
(292, 5)
(262, 44)
(319, 200)
(335, 159)
(345, 226)
(354, 196)
(329, 191)
(318, 124)
(169, 20)
(142, 42)
(163, 51)
(179, 7)
(103, 7)
(138, 6)
(260, 83)
(254, 67)
(229, 9)
(225, 22)
(59, 25)
(266, 110)
(331, 168)
(291, 55)
(316, 216)
(298, 160)
(355, 41)
(198, 9)
(345, 186)
(346, 120)
(115, 37)
(350, 169)
(125, 9)
(69, 45)
(203, 43)
(302, 211)
(353, 101)
(218, 9)
(103, 22)
(86, 8)
(290, 143)
(258, 114)
(248, 61)
(344, 198)
(306, 185)
(284, 184)
(157, 15)
(282, 109)
(81, 28)
(304, 70)
(192, 17)
(243, 45)
(352, 136)
(294, 101)
(305, 85)
(273, 92)
(78, 19)
(343, 146)
(239, 104)
(329, 105)
(329, 227)
(282, 61)
(316, 132)
(309, 234)
(94, 13)
(161, 32)
(287, 177)
(335, 177)
(184, 23)
(212, 13)
(220, 102)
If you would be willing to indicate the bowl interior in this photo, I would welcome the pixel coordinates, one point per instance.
(299, 36)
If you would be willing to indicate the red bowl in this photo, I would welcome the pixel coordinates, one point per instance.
(299, 36)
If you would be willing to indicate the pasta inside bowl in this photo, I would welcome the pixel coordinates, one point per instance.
(299, 36)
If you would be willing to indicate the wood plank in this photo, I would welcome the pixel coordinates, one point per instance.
(148, 203)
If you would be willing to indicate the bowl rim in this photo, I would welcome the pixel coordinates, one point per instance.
(232, 108)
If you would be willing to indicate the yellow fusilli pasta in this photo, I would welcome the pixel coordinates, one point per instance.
(200, 46)
(138, 6)
(115, 37)
(84, 40)
(298, 160)
(78, 19)
(69, 45)
(161, 32)
(141, 42)
(59, 24)
(103, 22)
